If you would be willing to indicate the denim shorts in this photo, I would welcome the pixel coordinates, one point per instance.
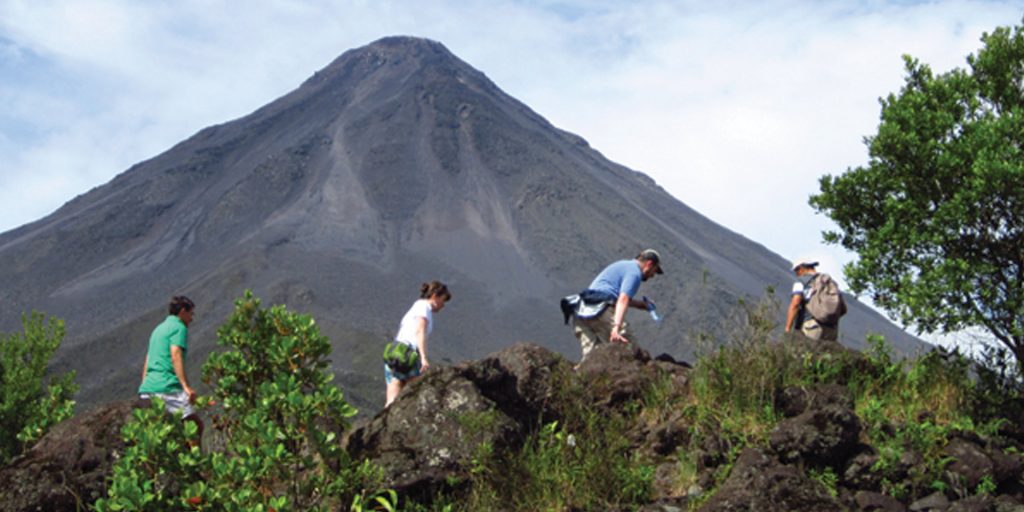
(391, 375)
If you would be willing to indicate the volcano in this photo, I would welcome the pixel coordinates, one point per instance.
(396, 164)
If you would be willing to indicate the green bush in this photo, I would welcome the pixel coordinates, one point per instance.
(278, 427)
(29, 405)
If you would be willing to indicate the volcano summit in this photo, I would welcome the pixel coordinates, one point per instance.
(396, 164)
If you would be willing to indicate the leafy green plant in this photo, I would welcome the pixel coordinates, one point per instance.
(987, 485)
(827, 478)
(29, 403)
(157, 462)
(279, 426)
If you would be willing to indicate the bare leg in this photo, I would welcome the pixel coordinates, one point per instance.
(393, 388)
(396, 387)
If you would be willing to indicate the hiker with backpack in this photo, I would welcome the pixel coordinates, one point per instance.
(405, 358)
(817, 303)
(599, 313)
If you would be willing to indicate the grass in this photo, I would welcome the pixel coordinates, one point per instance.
(584, 459)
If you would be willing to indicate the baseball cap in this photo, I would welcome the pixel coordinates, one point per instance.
(651, 255)
(804, 262)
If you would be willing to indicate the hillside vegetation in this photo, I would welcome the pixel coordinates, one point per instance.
(760, 423)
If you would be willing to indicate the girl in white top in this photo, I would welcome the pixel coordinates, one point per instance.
(414, 329)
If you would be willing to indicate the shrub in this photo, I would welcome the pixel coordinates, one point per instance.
(279, 427)
(28, 405)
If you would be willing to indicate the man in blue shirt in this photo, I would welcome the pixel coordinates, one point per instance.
(616, 285)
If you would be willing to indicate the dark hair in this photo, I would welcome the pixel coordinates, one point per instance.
(428, 290)
(180, 302)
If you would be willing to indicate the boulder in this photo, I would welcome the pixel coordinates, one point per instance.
(68, 468)
(520, 379)
(858, 473)
(1006, 467)
(428, 438)
(760, 482)
(979, 503)
(970, 463)
(824, 436)
(616, 373)
(933, 502)
(795, 400)
(870, 501)
(666, 437)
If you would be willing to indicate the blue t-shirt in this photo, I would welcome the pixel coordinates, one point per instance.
(619, 277)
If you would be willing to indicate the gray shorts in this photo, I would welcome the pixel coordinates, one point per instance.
(173, 402)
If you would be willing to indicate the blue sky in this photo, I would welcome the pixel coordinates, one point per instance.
(736, 108)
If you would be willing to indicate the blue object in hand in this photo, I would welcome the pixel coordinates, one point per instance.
(652, 310)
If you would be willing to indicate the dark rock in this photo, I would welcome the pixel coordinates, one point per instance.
(1006, 503)
(431, 433)
(761, 482)
(980, 503)
(428, 437)
(821, 436)
(794, 400)
(666, 477)
(932, 502)
(519, 379)
(665, 358)
(617, 373)
(911, 458)
(877, 502)
(669, 435)
(970, 464)
(1005, 466)
(68, 468)
(858, 473)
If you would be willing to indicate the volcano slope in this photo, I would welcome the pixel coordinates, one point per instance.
(396, 164)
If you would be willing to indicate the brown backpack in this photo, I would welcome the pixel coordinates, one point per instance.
(826, 304)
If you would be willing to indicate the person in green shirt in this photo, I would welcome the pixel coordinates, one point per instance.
(163, 374)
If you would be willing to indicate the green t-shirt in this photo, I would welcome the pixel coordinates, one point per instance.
(160, 377)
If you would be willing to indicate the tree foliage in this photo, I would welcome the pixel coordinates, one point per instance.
(277, 443)
(29, 406)
(937, 214)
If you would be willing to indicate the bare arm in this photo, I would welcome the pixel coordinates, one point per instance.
(145, 364)
(178, 360)
(620, 314)
(794, 308)
(421, 342)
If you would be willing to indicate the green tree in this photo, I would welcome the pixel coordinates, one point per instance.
(277, 436)
(29, 406)
(937, 214)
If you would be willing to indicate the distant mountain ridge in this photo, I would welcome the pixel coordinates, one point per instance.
(395, 164)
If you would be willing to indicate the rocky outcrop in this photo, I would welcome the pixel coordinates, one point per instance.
(427, 438)
(759, 481)
(817, 458)
(68, 468)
